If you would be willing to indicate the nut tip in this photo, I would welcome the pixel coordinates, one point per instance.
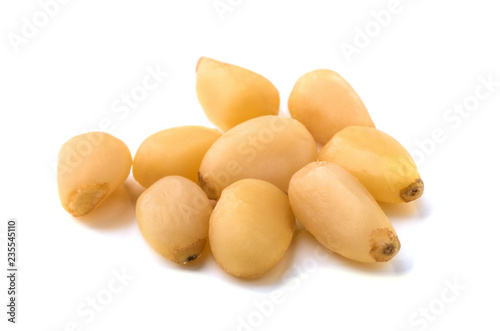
(384, 245)
(413, 191)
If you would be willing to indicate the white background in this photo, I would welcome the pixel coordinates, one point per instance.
(64, 80)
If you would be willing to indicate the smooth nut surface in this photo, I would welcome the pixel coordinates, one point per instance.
(172, 152)
(90, 167)
(271, 148)
(251, 228)
(326, 103)
(173, 216)
(341, 214)
(378, 161)
(230, 94)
